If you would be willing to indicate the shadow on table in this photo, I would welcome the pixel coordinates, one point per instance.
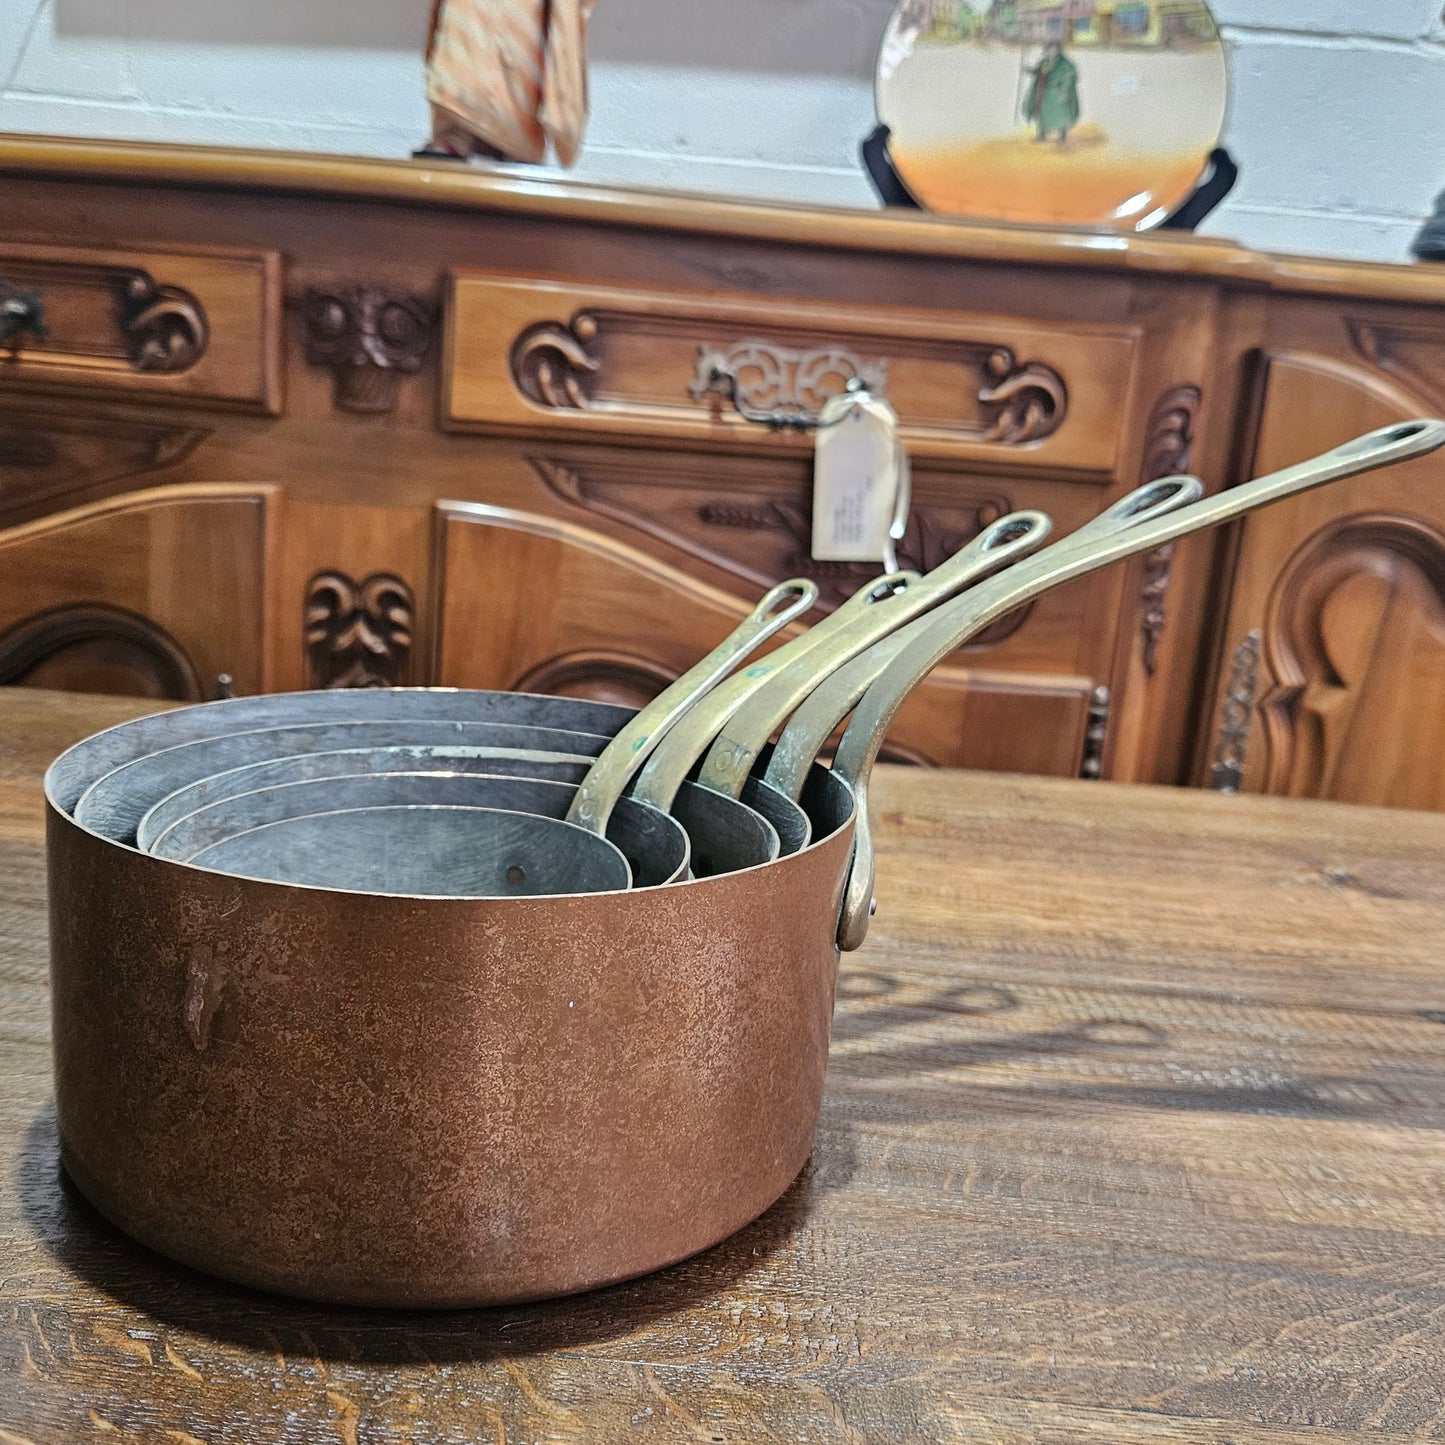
(87, 1244)
(930, 1038)
(950, 1027)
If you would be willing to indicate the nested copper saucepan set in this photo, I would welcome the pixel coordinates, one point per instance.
(434, 998)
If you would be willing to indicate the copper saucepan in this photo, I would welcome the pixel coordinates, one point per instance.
(409, 1101)
(437, 1102)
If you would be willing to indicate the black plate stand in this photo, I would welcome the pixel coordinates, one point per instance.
(1217, 183)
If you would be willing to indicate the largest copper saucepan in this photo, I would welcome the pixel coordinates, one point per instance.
(436, 1102)
(440, 1102)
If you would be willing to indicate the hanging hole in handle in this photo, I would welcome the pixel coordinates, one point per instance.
(789, 599)
(1165, 491)
(516, 875)
(1009, 530)
(1386, 437)
(895, 584)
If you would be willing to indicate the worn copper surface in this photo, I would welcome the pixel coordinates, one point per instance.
(395, 1101)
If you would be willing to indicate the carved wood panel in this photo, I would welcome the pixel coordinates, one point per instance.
(108, 313)
(202, 325)
(1346, 587)
(358, 634)
(599, 675)
(752, 519)
(1358, 616)
(155, 594)
(47, 456)
(767, 538)
(1407, 351)
(527, 602)
(538, 356)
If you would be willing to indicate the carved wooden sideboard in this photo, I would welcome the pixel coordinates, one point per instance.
(272, 421)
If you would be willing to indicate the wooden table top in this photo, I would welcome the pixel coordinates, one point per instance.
(1133, 1132)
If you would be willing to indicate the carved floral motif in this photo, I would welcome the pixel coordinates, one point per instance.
(1024, 402)
(1228, 771)
(1167, 450)
(164, 328)
(551, 364)
(370, 339)
(1158, 572)
(357, 634)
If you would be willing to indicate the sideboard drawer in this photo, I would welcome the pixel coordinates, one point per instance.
(201, 326)
(526, 356)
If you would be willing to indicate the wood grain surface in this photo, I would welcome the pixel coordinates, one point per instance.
(469, 189)
(1132, 1134)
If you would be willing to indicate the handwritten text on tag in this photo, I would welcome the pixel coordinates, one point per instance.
(856, 479)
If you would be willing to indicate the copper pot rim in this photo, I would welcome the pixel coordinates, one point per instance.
(615, 713)
(836, 817)
(846, 818)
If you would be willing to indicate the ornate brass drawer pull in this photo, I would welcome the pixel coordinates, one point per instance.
(776, 387)
(21, 313)
(163, 327)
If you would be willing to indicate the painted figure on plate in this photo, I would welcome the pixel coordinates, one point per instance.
(1052, 102)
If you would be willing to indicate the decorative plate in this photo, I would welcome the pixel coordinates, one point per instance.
(1066, 112)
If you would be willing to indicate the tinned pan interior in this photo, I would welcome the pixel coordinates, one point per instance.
(82, 764)
(727, 834)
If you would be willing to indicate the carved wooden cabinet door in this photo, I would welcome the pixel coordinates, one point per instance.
(156, 594)
(1332, 675)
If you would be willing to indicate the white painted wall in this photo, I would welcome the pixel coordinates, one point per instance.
(1338, 115)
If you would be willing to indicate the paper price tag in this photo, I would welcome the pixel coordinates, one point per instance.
(856, 479)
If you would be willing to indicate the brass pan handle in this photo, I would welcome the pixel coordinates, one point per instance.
(673, 760)
(727, 766)
(812, 724)
(951, 625)
(610, 774)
